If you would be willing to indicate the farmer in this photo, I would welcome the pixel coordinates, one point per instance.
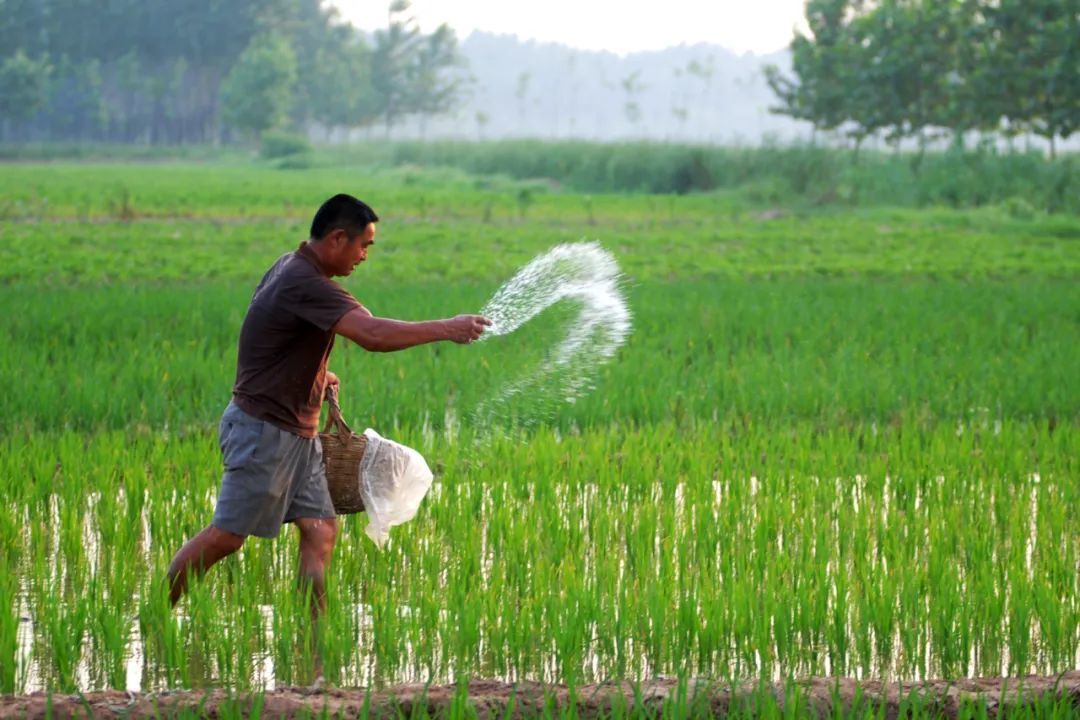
(273, 460)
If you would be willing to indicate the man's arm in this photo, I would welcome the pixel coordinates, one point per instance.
(386, 335)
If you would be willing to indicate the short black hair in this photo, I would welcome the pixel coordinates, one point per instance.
(345, 212)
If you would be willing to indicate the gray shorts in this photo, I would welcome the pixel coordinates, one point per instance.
(271, 477)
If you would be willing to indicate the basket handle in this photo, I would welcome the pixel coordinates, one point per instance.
(335, 417)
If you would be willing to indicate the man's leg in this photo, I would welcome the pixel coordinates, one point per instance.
(317, 536)
(198, 555)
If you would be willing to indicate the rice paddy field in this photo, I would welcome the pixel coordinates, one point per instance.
(837, 443)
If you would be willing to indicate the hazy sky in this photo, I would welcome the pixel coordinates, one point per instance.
(621, 26)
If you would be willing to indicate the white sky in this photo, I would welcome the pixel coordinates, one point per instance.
(620, 26)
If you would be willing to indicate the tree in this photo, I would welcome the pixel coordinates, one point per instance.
(331, 63)
(76, 106)
(391, 61)
(257, 93)
(482, 120)
(413, 73)
(705, 71)
(433, 87)
(632, 86)
(871, 104)
(923, 62)
(1035, 44)
(903, 55)
(914, 67)
(23, 86)
(973, 79)
(341, 92)
(823, 66)
(521, 94)
(682, 114)
(182, 51)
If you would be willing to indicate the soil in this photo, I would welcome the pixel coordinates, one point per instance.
(494, 699)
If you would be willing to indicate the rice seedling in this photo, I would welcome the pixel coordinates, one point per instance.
(826, 449)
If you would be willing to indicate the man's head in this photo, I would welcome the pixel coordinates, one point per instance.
(341, 232)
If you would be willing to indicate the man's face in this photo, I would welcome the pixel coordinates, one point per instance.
(353, 251)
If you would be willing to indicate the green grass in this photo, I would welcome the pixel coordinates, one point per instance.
(835, 443)
(1023, 184)
(835, 351)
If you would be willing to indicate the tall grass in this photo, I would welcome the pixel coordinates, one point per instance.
(1022, 182)
(776, 173)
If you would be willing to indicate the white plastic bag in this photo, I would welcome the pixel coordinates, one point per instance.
(393, 480)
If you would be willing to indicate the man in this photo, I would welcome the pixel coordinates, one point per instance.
(268, 434)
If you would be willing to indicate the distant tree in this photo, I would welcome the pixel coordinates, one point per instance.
(333, 63)
(76, 103)
(433, 86)
(341, 92)
(632, 86)
(705, 71)
(915, 67)
(971, 80)
(257, 94)
(1035, 50)
(681, 114)
(823, 67)
(570, 74)
(392, 60)
(413, 73)
(182, 51)
(126, 93)
(871, 104)
(903, 59)
(521, 94)
(23, 87)
(926, 62)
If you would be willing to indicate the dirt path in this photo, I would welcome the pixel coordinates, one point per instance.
(492, 699)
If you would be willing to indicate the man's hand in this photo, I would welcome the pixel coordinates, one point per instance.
(463, 329)
(332, 381)
(386, 335)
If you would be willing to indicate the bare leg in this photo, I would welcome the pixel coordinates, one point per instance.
(198, 555)
(317, 538)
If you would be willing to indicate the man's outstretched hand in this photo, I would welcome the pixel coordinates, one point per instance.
(463, 329)
(388, 335)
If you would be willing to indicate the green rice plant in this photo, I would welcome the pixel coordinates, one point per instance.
(109, 630)
(166, 659)
(793, 349)
(9, 629)
(834, 444)
(63, 620)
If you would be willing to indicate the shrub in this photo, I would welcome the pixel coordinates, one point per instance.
(280, 144)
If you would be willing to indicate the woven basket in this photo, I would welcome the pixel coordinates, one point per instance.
(342, 451)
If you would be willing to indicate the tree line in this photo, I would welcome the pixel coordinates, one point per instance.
(198, 71)
(922, 68)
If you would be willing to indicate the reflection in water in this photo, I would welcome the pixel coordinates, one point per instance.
(909, 650)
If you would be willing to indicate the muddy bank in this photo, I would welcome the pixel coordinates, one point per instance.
(491, 699)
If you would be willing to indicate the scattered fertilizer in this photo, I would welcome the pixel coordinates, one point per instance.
(581, 273)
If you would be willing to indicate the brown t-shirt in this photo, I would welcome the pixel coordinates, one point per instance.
(285, 342)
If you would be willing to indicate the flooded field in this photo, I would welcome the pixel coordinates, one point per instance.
(601, 554)
(805, 461)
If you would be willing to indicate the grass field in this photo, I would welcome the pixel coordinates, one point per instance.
(837, 442)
